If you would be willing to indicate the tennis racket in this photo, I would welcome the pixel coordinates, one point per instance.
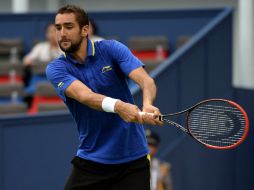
(215, 123)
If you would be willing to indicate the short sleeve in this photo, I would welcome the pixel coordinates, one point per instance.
(59, 77)
(123, 56)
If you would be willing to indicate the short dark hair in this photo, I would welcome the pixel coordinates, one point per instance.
(80, 14)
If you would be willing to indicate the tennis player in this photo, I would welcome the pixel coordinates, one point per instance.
(91, 80)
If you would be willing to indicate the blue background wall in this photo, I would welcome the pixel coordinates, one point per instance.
(30, 146)
(121, 25)
(36, 151)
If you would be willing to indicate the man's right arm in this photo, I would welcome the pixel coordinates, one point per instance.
(80, 92)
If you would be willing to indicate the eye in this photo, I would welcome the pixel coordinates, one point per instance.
(69, 27)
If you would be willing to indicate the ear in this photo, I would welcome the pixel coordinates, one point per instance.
(84, 30)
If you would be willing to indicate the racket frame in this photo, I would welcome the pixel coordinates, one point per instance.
(188, 131)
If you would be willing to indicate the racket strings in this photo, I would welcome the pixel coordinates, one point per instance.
(217, 123)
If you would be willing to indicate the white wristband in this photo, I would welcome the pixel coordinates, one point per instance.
(108, 104)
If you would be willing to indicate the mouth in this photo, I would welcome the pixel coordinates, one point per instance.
(65, 42)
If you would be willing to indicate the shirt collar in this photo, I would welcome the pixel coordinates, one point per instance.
(90, 52)
(90, 47)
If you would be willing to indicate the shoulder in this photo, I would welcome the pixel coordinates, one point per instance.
(60, 60)
(57, 64)
(112, 48)
(96, 38)
(109, 44)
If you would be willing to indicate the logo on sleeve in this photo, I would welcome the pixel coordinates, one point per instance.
(106, 69)
(60, 84)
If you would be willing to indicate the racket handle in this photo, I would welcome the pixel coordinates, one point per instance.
(143, 113)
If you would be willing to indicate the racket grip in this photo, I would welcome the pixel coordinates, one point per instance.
(143, 113)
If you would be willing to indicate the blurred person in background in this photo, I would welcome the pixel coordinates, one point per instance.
(42, 52)
(160, 170)
(93, 31)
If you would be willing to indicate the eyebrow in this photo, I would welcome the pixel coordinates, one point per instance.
(65, 24)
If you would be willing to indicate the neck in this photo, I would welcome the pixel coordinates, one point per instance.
(81, 54)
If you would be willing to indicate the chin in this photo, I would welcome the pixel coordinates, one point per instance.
(64, 48)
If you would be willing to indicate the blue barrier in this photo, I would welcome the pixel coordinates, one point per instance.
(35, 151)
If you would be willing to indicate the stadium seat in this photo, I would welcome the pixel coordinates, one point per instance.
(10, 73)
(11, 47)
(38, 76)
(53, 106)
(11, 92)
(13, 108)
(149, 48)
(44, 95)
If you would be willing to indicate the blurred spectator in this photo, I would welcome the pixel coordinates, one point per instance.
(44, 51)
(93, 31)
(160, 171)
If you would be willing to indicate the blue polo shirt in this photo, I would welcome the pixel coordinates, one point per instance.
(104, 137)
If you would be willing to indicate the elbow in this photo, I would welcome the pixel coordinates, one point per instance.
(152, 82)
(85, 98)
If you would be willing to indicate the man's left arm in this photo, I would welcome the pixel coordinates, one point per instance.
(148, 87)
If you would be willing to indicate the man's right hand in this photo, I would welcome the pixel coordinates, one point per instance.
(128, 112)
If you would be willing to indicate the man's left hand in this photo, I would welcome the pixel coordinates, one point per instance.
(153, 117)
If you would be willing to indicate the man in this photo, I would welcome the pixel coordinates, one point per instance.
(160, 171)
(90, 78)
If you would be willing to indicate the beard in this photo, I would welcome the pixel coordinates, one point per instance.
(74, 47)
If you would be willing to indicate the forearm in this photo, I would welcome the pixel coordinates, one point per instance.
(81, 93)
(93, 100)
(128, 112)
(149, 92)
(146, 83)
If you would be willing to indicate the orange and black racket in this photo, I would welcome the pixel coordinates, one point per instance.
(216, 123)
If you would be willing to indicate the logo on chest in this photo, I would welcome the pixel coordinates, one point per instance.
(106, 69)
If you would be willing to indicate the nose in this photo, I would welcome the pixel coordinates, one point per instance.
(62, 32)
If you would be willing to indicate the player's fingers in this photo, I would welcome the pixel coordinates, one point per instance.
(158, 122)
(156, 113)
(139, 118)
(153, 118)
(148, 118)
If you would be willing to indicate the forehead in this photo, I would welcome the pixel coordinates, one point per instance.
(65, 18)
